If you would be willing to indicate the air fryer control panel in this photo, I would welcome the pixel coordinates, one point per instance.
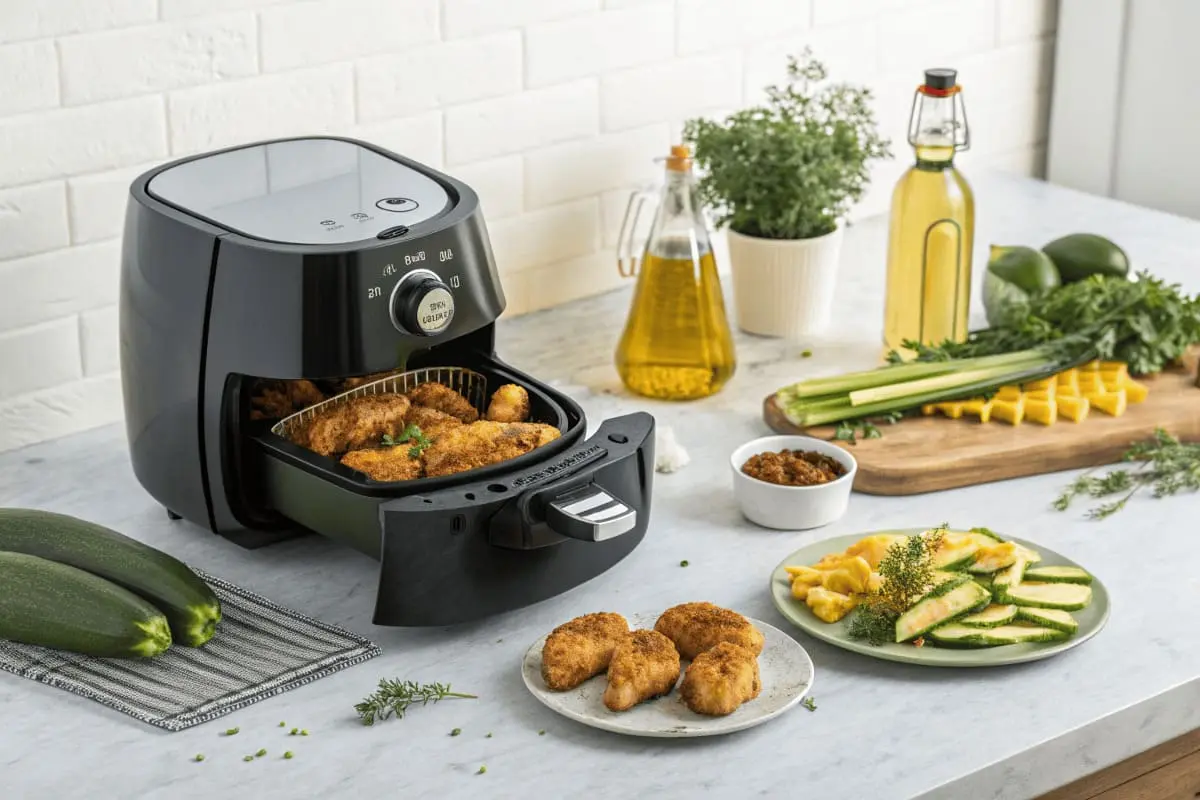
(303, 191)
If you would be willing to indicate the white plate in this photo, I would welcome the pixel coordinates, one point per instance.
(784, 668)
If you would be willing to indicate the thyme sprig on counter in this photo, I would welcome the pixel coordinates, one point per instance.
(1166, 464)
(411, 435)
(394, 697)
(849, 430)
(907, 572)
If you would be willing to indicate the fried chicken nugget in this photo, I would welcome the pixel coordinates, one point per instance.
(645, 665)
(510, 403)
(356, 424)
(444, 399)
(580, 649)
(696, 627)
(433, 423)
(719, 680)
(481, 443)
(384, 464)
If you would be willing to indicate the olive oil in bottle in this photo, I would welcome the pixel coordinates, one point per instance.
(932, 223)
(676, 344)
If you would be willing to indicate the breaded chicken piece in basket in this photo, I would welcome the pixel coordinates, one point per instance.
(644, 665)
(278, 399)
(719, 680)
(580, 649)
(444, 399)
(385, 464)
(358, 423)
(510, 403)
(696, 627)
(482, 443)
(433, 423)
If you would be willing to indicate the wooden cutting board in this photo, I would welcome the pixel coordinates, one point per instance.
(929, 454)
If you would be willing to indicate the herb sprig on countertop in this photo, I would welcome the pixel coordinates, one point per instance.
(1167, 464)
(849, 430)
(907, 572)
(1147, 323)
(411, 435)
(394, 697)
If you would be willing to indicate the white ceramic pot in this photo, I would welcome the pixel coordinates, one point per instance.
(791, 508)
(784, 287)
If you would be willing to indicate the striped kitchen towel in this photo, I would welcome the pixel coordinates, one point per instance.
(260, 650)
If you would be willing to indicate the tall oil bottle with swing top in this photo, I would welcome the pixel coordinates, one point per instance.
(932, 223)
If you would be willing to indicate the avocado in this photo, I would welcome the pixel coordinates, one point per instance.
(1081, 255)
(1014, 274)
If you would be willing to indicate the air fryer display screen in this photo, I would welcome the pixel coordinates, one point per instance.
(303, 191)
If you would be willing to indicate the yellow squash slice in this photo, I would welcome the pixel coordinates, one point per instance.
(1135, 392)
(1011, 411)
(1111, 403)
(1008, 393)
(1042, 411)
(1044, 385)
(1073, 408)
(1067, 382)
(951, 410)
(829, 606)
(928, 410)
(978, 407)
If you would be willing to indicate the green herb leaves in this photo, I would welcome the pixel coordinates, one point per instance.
(1167, 465)
(1146, 323)
(411, 435)
(791, 168)
(907, 572)
(394, 697)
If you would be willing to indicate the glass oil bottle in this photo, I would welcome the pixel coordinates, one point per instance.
(932, 223)
(677, 343)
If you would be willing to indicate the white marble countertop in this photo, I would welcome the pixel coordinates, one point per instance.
(881, 730)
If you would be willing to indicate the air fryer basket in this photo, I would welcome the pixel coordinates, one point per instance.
(324, 495)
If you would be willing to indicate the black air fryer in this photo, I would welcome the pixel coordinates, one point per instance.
(324, 259)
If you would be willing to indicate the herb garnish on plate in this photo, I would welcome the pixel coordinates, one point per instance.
(907, 571)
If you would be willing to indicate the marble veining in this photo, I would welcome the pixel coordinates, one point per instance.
(881, 730)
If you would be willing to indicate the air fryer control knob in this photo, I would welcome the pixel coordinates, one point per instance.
(421, 304)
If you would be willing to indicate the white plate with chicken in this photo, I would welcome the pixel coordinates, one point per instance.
(694, 670)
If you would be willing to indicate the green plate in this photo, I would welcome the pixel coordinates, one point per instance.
(1091, 619)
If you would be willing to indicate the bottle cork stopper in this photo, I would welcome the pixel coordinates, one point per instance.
(680, 158)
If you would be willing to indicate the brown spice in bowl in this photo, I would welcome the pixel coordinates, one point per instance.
(794, 468)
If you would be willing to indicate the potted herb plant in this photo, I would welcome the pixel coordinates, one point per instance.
(782, 176)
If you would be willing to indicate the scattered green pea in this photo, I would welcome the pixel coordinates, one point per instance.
(283, 724)
(262, 752)
(288, 754)
(806, 354)
(683, 563)
(456, 732)
(247, 758)
(199, 757)
(541, 733)
(232, 731)
(489, 735)
(294, 732)
(482, 769)
(304, 731)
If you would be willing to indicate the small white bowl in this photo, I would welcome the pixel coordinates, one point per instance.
(791, 508)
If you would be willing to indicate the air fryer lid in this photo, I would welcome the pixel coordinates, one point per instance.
(303, 191)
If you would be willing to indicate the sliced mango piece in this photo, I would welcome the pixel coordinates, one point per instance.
(978, 407)
(873, 548)
(1092, 385)
(1011, 411)
(1008, 393)
(801, 572)
(1043, 411)
(1111, 403)
(1135, 392)
(1044, 385)
(829, 606)
(1067, 382)
(1073, 408)
(1041, 396)
(951, 410)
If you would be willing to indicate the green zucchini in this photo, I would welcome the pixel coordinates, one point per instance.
(939, 607)
(958, 635)
(1063, 596)
(191, 607)
(55, 605)
(991, 617)
(1048, 617)
(1059, 575)
(952, 557)
(1009, 576)
(988, 534)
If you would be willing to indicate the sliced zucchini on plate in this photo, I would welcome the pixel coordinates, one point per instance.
(959, 635)
(1048, 617)
(1063, 596)
(991, 617)
(1059, 575)
(939, 607)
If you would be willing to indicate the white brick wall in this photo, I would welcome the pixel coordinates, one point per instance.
(551, 109)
